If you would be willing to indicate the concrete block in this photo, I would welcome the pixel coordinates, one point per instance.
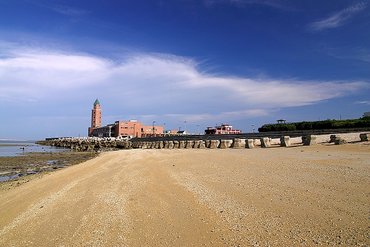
(181, 144)
(332, 138)
(160, 144)
(196, 143)
(207, 143)
(176, 144)
(202, 144)
(249, 143)
(225, 143)
(165, 144)
(170, 145)
(189, 144)
(265, 142)
(309, 140)
(339, 141)
(238, 143)
(156, 145)
(365, 137)
(213, 144)
(285, 141)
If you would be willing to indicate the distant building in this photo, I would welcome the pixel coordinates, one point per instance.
(221, 130)
(131, 128)
(95, 117)
(170, 132)
(181, 132)
(366, 114)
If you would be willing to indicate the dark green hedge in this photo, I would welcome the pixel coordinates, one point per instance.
(316, 125)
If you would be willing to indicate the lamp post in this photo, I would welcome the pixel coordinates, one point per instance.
(153, 127)
(252, 127)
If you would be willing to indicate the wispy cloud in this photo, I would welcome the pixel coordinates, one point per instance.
(353, 53)
(60, 8)
(363, 102)
(277, 4)
(337, 19)
(160, 84)
(67, 10)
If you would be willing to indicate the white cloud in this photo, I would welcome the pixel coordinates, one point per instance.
(364, 102)
(159, 84)
(337, 19)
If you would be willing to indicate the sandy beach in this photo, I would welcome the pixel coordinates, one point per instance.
(299, 196)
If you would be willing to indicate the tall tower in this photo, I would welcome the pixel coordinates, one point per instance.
(95, 116)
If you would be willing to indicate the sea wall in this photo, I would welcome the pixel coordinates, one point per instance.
(87, 143)
(94, 143)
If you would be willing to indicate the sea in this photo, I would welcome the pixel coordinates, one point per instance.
(11, 148)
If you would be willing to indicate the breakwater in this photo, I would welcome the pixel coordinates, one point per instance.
(189, 142)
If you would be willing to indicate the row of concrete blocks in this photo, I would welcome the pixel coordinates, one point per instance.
(212, 144)
(235, 143)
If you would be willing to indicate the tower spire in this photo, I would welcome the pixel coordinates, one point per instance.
(95, 117)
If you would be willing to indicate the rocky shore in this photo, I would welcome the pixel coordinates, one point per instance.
(20, 169)
(88, 143)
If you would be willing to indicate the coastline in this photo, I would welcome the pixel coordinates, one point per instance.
(16, 170)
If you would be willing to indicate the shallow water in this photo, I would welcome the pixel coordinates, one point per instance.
(16, 148)
(5, 178)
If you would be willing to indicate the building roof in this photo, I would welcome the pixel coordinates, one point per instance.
(96, 102)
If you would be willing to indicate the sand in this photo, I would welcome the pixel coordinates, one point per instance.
(299, 196)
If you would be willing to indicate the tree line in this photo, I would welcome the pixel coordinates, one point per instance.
(317, 125)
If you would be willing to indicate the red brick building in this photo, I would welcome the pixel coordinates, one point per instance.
(131, 128)
(95, 117)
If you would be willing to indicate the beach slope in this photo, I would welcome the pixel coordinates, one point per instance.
(275, 196)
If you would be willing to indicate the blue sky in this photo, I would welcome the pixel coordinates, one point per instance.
(244, 62)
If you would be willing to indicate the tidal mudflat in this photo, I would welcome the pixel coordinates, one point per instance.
(21, 168)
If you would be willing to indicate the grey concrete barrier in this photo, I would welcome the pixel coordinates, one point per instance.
(176, 144)
(265, 142)
(170, 145)
(365, 137)
(309, 140)
(189, 144)
(165, 144)
(196, 144)
(339, 141)
(161, 145)
(238, 143)
(225, 143)
(208, 143)
(181, 144)
(249, 143)
(285, 141)
(214, 144)
(156, 145)
(332, 138)
(152, 145)
(202, 144)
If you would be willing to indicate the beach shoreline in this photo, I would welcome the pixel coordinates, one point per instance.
(305, 195)
(16, 170)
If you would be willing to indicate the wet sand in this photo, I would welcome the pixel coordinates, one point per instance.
(300, 196)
